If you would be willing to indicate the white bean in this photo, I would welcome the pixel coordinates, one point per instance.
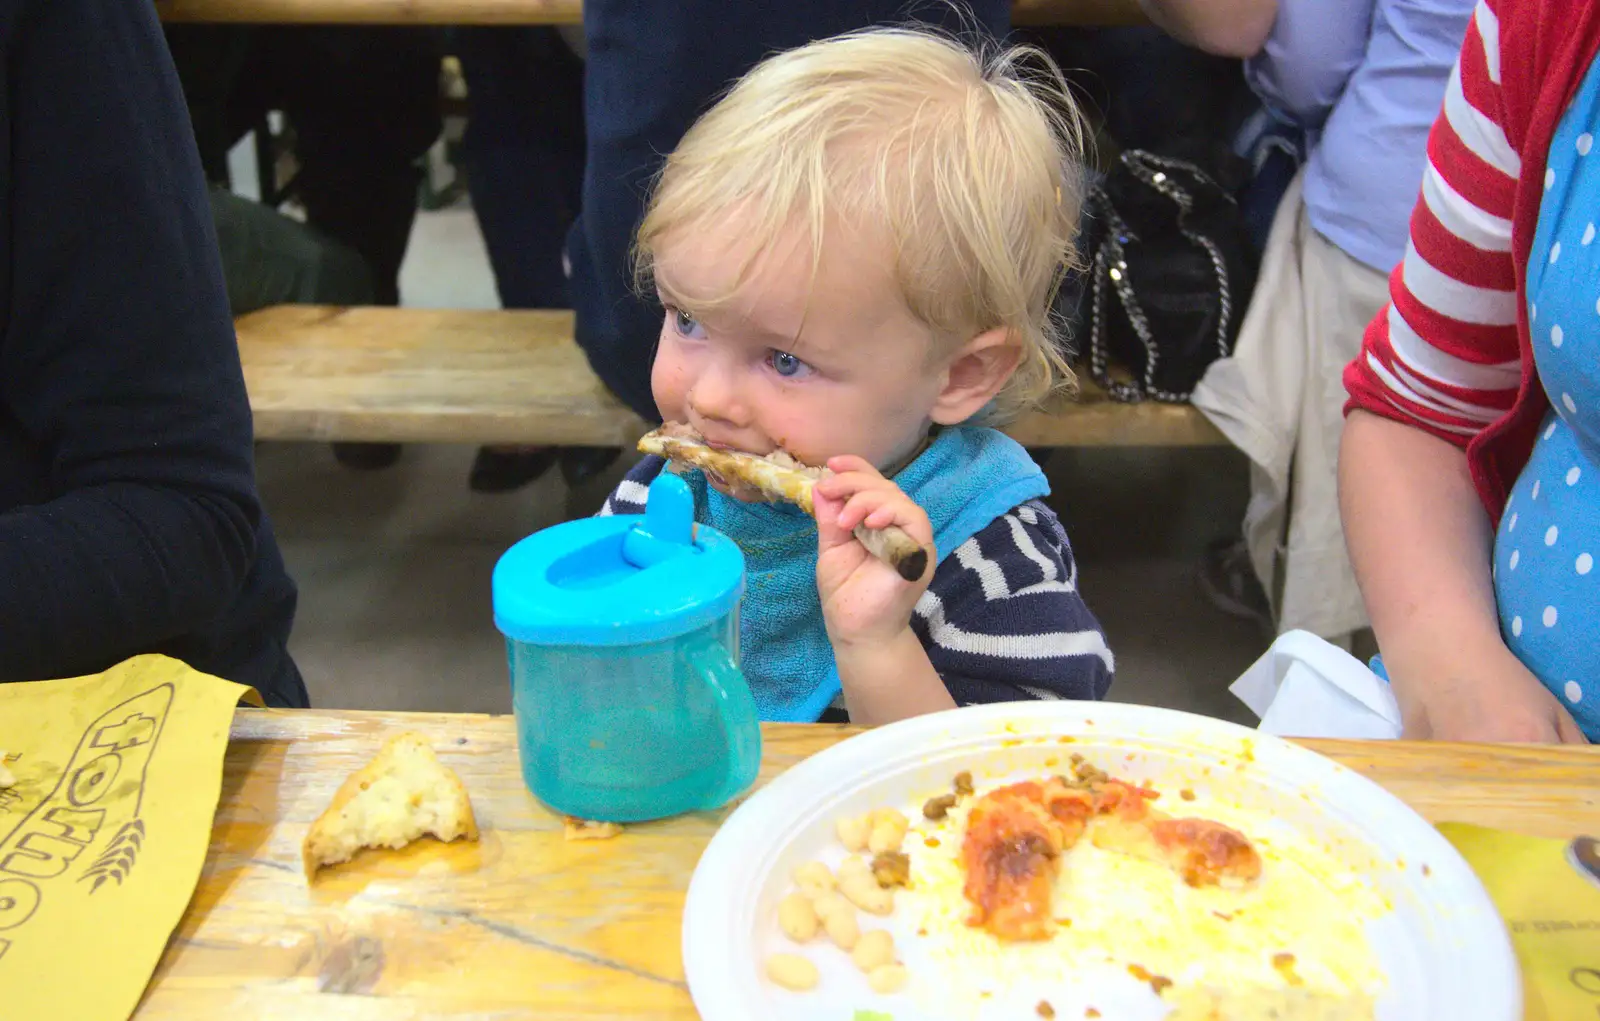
(797, 918)
(853, 870)
(885, 837)
(868, 896)
(853, 832)
(888, 978)
(873, 950)
(813, 879)
(887, 830)
(841, 927)
(793, 972)
(830, 903)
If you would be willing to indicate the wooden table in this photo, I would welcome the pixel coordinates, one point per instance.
(544, 12)
(526, 925)
(409, 375)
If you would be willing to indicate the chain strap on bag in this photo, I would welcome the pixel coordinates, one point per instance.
(1171, 273)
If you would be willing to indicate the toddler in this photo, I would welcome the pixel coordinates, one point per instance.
(856, 250)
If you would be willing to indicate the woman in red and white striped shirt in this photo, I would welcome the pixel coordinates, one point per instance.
(1449, 407)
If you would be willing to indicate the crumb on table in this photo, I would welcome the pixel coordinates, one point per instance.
(589, 829)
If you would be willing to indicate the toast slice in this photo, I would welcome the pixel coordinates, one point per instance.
(404, 793)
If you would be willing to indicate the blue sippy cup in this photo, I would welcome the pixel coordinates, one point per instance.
(622, 634)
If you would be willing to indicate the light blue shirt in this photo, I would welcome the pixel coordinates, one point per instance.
(1366, 79)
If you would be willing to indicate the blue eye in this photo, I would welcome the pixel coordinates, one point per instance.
(686, 324)
(787, 365)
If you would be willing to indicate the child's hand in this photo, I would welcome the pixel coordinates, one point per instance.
(864, 600)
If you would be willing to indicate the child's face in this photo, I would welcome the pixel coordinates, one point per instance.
(818, 364)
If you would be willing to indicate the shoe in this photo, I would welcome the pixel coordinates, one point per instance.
(502, 469)
(580, 464)
(1228, 579)
(366, 456)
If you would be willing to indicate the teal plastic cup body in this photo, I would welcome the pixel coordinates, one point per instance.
(622, 638)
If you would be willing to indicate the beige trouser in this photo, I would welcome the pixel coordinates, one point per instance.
(1280, 399)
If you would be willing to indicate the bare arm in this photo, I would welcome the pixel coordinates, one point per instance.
(1421, 545)
(884, 671)
(890, 681)
(1228, 28)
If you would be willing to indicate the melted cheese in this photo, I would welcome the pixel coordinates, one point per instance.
(1125, 915)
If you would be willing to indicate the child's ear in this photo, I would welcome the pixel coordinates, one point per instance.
(974, 374)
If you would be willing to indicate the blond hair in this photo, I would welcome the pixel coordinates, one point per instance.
(969, 162)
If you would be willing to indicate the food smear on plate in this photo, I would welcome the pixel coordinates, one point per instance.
(1265, 1004)
(1016, 836)
(1224, 912)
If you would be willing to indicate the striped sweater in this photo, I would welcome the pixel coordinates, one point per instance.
(1452, 352)
(1002, 620)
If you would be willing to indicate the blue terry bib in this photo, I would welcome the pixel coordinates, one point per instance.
(968, 477)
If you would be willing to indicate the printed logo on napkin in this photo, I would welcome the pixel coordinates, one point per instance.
(1548, 892)
(104, 830)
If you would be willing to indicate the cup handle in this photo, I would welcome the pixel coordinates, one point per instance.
(736, 708)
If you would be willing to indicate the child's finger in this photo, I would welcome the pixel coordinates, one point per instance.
(846, 463)
(865, 503)
(847, 484)
(879, 508)
(827, 510)
(883, 517)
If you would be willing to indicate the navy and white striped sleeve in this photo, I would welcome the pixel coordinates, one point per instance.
(630, 495)
(1003, 621)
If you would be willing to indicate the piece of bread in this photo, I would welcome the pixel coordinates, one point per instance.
(404, 793)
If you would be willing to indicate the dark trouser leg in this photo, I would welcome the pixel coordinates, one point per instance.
(364, 103)
(269, 259)
(524, 165)
(524, 155)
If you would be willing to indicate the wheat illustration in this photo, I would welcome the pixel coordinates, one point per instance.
(117, 859)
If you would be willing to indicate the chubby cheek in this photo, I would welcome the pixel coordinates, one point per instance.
(815, 433)
(669, 380)
(865, 430)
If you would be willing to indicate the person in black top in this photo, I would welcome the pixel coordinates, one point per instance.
(129, 517)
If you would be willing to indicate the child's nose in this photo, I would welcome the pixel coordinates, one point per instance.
(716, 395)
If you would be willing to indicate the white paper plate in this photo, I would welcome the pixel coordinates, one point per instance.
(1442, 947)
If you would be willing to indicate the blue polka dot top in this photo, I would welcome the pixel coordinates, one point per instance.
(1546, 585)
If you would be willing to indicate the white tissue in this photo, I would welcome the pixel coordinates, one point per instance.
(1304, 687)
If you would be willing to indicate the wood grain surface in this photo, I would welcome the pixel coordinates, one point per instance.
(420, 375)
(526, 925)
(544, 12)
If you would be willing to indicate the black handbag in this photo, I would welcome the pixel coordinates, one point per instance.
(1170, 275)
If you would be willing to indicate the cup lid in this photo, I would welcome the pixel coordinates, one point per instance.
(619, 580)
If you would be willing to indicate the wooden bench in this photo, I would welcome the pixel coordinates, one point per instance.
(545, 12)
(426, 376)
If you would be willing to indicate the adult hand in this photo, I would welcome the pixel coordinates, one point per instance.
(1497, 701)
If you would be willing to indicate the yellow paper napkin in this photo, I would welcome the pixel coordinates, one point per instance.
(1550, 901)
(105, 829)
